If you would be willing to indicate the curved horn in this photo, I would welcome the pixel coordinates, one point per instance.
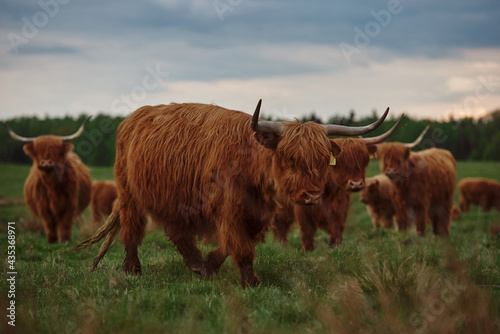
(17, 137)
(419, 139)
(341, 130)
(265, 126)
(78, 132)
(382, 137)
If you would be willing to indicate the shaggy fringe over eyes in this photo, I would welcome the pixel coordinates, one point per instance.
(354, 157)
(305, 155)
(391, 154)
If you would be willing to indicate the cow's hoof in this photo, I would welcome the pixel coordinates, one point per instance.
(250, 281)
(133, 269)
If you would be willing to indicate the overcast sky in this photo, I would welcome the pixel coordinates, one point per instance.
(426, 58)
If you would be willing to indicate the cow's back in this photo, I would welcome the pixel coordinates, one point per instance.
(184, 156)
(436, 168)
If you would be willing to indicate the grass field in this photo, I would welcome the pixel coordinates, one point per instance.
(376, 282)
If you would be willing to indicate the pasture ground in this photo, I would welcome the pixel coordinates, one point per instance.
(376, 282)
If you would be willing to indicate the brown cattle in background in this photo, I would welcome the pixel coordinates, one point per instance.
(57, 189)
(101, 202)
(377, 196)
(346, 176)
(424, 183)
(479, 191)
(200, 169)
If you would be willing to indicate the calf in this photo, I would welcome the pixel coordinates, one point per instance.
(377, 196)
(101, 203)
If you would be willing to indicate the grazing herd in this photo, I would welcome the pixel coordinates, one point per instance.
(203, 171)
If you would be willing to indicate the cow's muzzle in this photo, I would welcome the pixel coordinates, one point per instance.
(355, 186)
(46, 165)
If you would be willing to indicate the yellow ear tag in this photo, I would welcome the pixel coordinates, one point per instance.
(371, 156)
(333, 161)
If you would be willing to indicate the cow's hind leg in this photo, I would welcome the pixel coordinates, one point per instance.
(133, 227)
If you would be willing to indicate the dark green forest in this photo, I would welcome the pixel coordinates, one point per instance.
(467, 139)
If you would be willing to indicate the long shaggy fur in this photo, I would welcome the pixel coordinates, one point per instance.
(199, 170)
(58, 194)
(332, 214)
(479, 191)
(101, 202)
(424, 183)
(377, 196)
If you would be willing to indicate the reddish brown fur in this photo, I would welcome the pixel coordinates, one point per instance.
(200, 170)
(456, 213)
(346, 176)
(377, 196)
(479, 191)
(101, 203)
(424, 183)
(57, 193)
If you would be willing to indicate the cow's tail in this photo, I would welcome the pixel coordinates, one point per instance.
(109, 231)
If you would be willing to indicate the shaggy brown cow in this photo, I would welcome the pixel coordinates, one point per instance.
(346, 175)
(58, 186)
(377, 196)
(101, 202)
(203, 169)
(479, 191)
(424, 183)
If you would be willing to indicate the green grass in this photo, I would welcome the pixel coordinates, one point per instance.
(377, 281)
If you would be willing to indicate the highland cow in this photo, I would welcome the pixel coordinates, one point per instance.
(424, 185)
(479, 191)
(377, 196)
(101, 202)
(346, 175)
(57, 189)
(200, 169)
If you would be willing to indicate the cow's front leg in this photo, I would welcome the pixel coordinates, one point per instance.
(186, 246)
(247, 274)
(214, 261)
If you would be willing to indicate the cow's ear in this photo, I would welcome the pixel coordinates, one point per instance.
(268, 139)
(335, 149)
(372, 149)
(29, 150)
(67, 147)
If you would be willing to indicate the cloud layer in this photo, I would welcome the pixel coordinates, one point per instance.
(421, 57)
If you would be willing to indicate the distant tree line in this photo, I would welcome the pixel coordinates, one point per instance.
(467, 139)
